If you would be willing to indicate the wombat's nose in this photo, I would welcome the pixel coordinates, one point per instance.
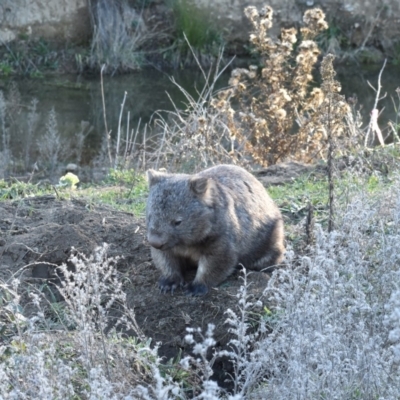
(155, 241)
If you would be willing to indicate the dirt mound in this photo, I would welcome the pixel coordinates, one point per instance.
(37, 233)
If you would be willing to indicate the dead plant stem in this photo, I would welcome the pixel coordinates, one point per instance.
(330, 169)
(105, 115)
(119, 131)
(377, 99)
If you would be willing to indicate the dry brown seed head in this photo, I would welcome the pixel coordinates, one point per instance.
(309, 45)
(280, 114)
(233, 81)
(266, 23)
(267, 12)
(285, 94)
(251, 12)
(322, 25)
(289, 35)
(313, 15)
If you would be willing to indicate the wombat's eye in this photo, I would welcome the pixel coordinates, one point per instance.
(176, 222)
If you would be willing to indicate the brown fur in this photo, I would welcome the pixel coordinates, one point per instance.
(214, 220)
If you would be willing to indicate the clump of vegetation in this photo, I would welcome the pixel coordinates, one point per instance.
(29, 57)
(270, 112)
(280, 114)
(73, 349)
(195, 36)
(118, 34)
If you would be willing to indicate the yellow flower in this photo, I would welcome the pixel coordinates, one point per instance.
(69, 179)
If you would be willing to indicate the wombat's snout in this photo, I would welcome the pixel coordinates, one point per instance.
(155, 241)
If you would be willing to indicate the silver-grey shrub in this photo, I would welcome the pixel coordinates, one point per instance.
(74, 350)
(336, 313)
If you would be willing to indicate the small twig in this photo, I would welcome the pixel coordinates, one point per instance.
(127, 138)
(57, 194)
(330, 170)
(133, 142)
(375, 107)
(373, 24)
(310, 224)
(35, 167)
(144, 147)
(395, 134)
(105, 115)
(119, 131)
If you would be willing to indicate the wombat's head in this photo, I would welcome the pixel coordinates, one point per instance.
(180, 209)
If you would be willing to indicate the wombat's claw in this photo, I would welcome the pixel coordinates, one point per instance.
(168, 284)
(196, 289)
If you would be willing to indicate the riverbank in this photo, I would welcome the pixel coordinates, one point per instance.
(128, 36)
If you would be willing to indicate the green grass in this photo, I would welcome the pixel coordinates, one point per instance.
(194, 23)
(194, 32)
(294, 198)
(29, 57)
(121, 190)
(126, 190)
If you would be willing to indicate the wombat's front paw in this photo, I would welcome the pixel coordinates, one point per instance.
(196, 289)
(169, 284)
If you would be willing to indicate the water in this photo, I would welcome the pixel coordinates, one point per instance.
(355, 80)
(75, 99)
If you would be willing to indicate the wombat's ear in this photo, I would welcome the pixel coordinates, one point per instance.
(154, 176)
(204, 188)
(199, 185)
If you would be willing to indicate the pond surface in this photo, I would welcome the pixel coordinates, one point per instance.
(76, 99)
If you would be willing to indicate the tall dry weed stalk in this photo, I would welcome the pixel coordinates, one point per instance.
(280, 114)
(32, 123)
(10, 109)
(52, 148)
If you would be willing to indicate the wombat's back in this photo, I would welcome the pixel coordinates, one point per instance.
(255, 221)
(243, 187)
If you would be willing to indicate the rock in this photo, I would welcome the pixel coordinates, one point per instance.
(71, 168)
(60, 20)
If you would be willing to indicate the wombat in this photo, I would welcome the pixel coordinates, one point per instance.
(215, 220)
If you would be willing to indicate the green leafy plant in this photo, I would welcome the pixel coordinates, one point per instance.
(196, 37)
